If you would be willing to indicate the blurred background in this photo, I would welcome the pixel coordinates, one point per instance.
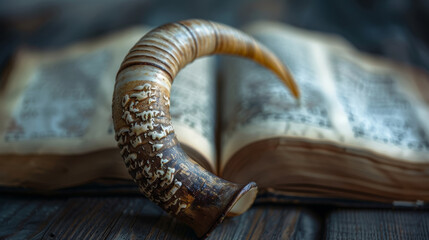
(397, 29)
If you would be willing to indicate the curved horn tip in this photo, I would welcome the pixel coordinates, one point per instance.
(142, 122)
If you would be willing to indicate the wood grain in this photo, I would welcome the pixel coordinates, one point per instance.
(377, 224)
(25, 217)
(133, 217)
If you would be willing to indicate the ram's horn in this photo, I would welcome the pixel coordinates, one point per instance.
(149, 147)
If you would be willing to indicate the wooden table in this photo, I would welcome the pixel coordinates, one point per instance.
(134, 217)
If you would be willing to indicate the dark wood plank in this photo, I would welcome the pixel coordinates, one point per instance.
(377, 224)
(271, 222)
(137, 218)
(26, 217)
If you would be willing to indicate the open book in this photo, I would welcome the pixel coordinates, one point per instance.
(360, 130)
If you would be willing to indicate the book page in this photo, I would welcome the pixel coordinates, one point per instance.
(384, 103)
(193, 107)
(257, 106)
(59, 102)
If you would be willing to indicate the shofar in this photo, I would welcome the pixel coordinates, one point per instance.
(149, 147)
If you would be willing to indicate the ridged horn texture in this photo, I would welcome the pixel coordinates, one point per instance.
(149, 147)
